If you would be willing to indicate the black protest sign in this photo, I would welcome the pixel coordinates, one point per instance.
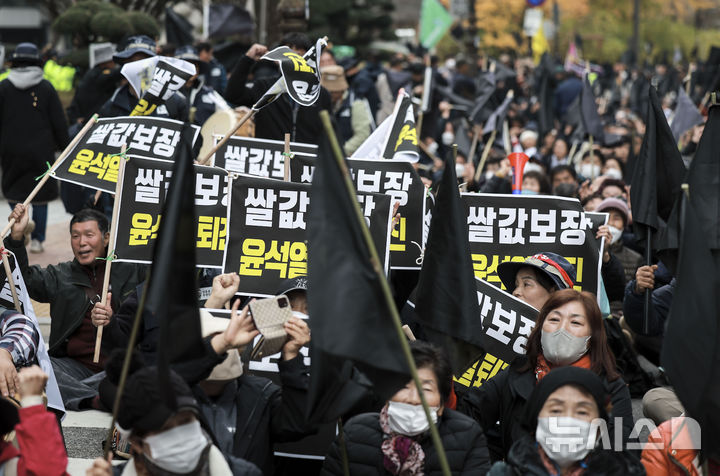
(94, 161)
(166, 80)
(259, 157)
(301, 75)
(141, 199)
(311, 447)
(507, 323)
(399, 180)
(267, 240)
(402, 141)
(513, 227)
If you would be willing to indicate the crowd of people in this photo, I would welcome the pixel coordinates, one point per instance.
(587, 357)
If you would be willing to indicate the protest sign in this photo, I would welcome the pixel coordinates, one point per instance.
(513, 227)
(259, 157)
(300, 74)
(402, 139)
(93, 162)
(399, 180)
(266, 239)
(155, 80)
(141, 201)
(54, 400)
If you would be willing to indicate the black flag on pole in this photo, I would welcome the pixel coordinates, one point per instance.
(447, 303)
(171, 293)
(589, 114)
(349, 316)
(690, 354)
(659, 171)
(686, 115)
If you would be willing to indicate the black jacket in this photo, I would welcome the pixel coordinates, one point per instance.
(266, 414)
(63, 286)
(462, 439)
(524, 459)
(32, 128)
(502, 399)
(96, 87)
(122, 103)
(282, 116)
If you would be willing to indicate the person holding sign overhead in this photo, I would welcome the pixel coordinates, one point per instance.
(73, 288)
(569, 332)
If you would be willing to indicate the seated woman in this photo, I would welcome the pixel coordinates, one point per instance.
(569, 332)
(397, 440)
(535, 279)
(568, 401)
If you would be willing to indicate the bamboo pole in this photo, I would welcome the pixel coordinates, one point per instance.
(113, 235)
(287, 156)
(486, 152)
(395, 317)
(249, 114)
(11, 281)
(57, 162)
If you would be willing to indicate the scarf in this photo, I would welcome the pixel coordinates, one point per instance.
(577, 469)
(402, 455)
(543, 367)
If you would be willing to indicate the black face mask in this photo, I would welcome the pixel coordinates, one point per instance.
(202, 468)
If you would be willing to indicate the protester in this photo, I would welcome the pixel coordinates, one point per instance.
(214, 72)
(535, 279)
(125, 98)
(19, 341)
(618, 221)
(352, 113)
(672, 449)
(202, 100)
(396, 440)
(95, 88)
(568, 400)
(284, 115)
(40, 449)
(569, 332)
(32, 128)
(166, 440)
(73, 287)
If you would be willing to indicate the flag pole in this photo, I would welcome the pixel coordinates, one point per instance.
(486, 152)
(91, 122)
(287, 155)
(11, 281)
(395, 317)
(111, 253)
(249, 114)
(648, 292)
(473, 144)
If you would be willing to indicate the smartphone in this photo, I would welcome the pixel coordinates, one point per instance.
(270, 316)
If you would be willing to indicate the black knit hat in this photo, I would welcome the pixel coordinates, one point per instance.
(143, 407)
(560, 377)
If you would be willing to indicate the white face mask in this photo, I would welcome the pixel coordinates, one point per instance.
(177, 450)
(588, 170)
(448, 138)
(562, 348)
(432, 148)
(616, 234)
(565, 439)
(300, 315)
(459, 170)
(409, 420)
(614, 173)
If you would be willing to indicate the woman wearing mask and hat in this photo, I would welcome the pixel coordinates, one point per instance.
(568, 400)
(397, 441)
(569, 332)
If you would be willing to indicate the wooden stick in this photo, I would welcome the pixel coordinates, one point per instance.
(97, 196)
(57, 162)
(385, 287)
(409, 333)
(11, 282)
(287, 157)
(473, 144)
(486, 152)
(113, 235)
(249, 114)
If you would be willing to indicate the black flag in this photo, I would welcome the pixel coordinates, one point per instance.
(589, 114)
(171, 293)
(686, 115)
(690, 347)
(447, 303)
(543, 78)
(658, 172)
(177, 29)
(349, 315)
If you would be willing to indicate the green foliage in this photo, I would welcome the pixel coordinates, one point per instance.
(78, 58)
(143, 24)
(75, 21)
(110, 26)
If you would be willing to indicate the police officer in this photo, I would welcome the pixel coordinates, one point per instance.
(202, 100)
(214, 72)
